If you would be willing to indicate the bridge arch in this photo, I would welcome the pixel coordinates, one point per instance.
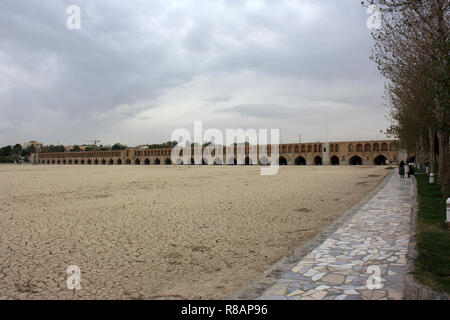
(89, 161)
(334, 160)
(157, 162)
(147, 161)
(119, 161)
(103, 161)
(96, 161)
(128, 162)
(355, 160)
(82, 161)
(300, 161)
(379, 160)
(167, 161)
(137, 162)
(282, 161)
(318, 160)
(218, 161)
(111, 162)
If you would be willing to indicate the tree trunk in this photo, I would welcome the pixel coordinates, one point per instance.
(443, 156)
(445, 185)
(431, 151)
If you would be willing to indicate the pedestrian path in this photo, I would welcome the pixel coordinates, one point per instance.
(365, 258)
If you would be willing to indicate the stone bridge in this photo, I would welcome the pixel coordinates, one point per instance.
(375, 152)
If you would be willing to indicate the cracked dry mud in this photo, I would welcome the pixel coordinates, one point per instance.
(144, 232)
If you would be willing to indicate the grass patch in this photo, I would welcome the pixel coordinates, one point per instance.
(433, 237)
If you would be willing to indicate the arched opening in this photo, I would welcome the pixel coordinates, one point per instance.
(284, 150)
(355, 161)
(379, 160)
(350, 148)
(232, 161)
(384, 146)
(282, 161)
(264, 161)
(128, 162)
(119, 161)
(89, 161)
(318, 161)
(168, 161)
(310, 148)
(204, 161)
(82, 161)
(59, 161)
(367, 147)
(70, 161)
(300, 161)
(218, 161)
(137, 161)
(296, 149)
(111, 162)
(64, 161)
(95, 161)
(393, 147)
(147, 162)
(103, 161)
(179, 161)
(303, 149)
(334, 161)
(192, 161)
(376, 147)
(359, 147)
(157, 162)
(48, 161)
(248, 161)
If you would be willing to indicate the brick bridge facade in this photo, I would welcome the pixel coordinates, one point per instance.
(376, 152)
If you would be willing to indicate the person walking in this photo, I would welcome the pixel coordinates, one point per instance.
(401, 169)
(410, 170)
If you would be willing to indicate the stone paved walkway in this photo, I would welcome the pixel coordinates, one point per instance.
(344, 266)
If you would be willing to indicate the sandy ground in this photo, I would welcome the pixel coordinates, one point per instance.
(146, 232)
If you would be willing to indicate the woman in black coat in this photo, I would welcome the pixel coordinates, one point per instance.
(401, 169)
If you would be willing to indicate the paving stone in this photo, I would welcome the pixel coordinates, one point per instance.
(375, 236)
(333, 278)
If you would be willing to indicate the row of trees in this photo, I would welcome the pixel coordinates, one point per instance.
(12, 154)
(412, 52)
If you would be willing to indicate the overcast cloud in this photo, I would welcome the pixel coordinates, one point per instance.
(137, 70)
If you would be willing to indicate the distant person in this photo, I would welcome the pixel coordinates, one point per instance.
(410, 170)
(401, 169)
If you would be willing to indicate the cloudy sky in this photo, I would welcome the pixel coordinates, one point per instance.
(138, 69)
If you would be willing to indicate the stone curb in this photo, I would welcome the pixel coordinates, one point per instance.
(255, 288)
(412, 290)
